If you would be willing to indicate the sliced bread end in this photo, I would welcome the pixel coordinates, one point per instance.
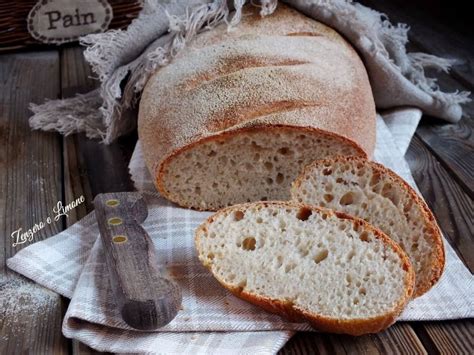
(308, 264)
(372, 192)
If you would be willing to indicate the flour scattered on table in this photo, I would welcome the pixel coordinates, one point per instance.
(23, 304)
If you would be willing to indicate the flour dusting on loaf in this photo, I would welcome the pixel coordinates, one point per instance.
(232, 99)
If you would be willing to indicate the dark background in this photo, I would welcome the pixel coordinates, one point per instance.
(454, 13)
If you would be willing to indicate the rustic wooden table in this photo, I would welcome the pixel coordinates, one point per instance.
(38, 169)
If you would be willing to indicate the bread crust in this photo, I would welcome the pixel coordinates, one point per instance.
(247, 128)
(439, 261)
(288, 310)
(226, 81)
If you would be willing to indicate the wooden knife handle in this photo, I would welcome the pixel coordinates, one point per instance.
(146, 299)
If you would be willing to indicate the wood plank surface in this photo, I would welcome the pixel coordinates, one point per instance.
(76, 77)
(30, 173)
(452, 206)
(398, 339)
(447, 337)
(453, 146)
(30, 186)
(453, 209)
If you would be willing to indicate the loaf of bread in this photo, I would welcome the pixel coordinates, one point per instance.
(237, 114)
(335, 271)
(376, 194)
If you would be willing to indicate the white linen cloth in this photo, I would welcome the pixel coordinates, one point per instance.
(212, 321)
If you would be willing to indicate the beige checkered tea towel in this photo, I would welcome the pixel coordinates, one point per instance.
(212, 320)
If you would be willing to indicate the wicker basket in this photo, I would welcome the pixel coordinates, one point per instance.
(13, 21)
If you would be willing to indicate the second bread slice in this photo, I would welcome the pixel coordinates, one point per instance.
(372, 192)
(335, 271)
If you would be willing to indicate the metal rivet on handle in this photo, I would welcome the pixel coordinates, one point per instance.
(118, 239)
(115, 221)
(112, 202)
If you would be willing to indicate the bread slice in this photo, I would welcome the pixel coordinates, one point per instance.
(376, 194)
(335, 271)
(238, 114)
